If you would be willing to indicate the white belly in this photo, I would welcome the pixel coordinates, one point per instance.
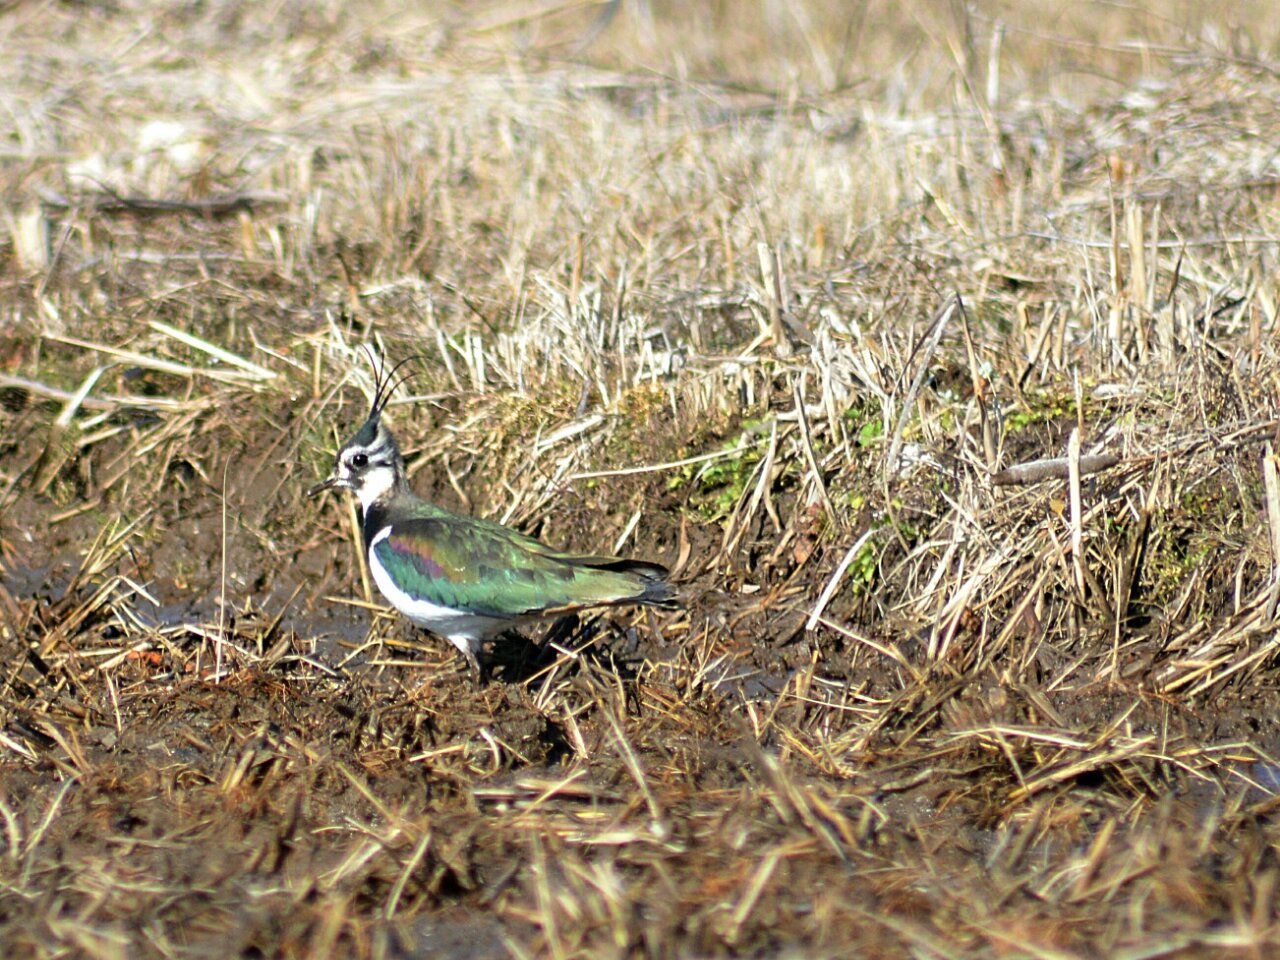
(465, 630)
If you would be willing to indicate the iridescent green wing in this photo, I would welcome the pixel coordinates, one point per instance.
(482, 567)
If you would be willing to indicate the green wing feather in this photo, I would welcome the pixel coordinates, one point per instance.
(483, 567)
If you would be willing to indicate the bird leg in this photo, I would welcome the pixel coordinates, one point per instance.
(478, 672)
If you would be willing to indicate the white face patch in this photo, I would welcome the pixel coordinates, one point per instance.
(373, 483)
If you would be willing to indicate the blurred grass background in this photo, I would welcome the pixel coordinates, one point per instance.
(779, 294)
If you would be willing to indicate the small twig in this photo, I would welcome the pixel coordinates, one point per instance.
(76, 401)
(220, 206)
(806, 443)
(771, 276)
(939, 326)
(154, 363)
(736, 451)
(1053, 468)
(357, 542)
(222, 584)
(632, 763)
(1271, 486)
(102, 403)
(260, 373)
(829, 590)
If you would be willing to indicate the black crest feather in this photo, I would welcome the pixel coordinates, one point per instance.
(384, 381)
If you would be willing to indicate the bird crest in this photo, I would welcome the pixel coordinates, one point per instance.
(384, 381)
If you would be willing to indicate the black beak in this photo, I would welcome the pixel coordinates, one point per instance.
(322, 486)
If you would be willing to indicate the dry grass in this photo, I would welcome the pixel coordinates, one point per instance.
(783, 296)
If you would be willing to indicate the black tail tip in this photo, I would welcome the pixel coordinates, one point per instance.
(659, 593)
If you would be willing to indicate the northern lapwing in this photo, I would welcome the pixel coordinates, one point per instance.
(464, 578)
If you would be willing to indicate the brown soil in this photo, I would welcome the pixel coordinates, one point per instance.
(904, 710)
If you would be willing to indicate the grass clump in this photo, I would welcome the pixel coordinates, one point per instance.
(935, 354)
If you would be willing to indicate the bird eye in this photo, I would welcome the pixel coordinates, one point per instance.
(360, 460)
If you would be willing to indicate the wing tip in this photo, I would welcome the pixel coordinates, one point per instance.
(659, 593)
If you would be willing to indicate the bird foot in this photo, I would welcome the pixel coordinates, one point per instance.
(479, 672)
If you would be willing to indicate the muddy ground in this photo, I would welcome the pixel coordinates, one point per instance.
(781, 318)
